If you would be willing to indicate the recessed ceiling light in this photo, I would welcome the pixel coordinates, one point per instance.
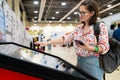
(76, 21)
(68, 17)
(35, 11)
(98, 18)
(57, 12)
(35, 21)
(63, 3)
(109, 5)
(53, 17)
(110, 13)
(35, 17)
(75, 13)
(63, 21)
(50, 21)
(35, 2)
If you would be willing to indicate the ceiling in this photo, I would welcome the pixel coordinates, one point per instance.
(47, 9)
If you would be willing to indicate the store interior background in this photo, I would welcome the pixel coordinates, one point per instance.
(17, 26)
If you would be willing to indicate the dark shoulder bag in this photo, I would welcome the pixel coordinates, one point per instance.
(111, 60)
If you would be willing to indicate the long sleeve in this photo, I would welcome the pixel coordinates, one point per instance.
(103, 38)
(68, 38)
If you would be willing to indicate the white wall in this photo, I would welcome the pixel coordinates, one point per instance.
(50, 29)
(60, 30)
(110, 19)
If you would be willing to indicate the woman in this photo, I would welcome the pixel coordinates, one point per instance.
(88, 53)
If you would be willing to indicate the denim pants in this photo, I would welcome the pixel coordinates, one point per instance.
(91, 66)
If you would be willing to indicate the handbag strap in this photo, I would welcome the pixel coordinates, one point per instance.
(96, 29)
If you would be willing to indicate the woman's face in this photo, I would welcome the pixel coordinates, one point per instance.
(84, 14)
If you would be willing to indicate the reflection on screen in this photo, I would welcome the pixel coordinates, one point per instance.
(39, 58)
(35, 57)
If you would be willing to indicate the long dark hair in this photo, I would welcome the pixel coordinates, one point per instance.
(91, 5)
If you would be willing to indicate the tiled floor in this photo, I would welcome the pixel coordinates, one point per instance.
(114, 75)
(65, 53)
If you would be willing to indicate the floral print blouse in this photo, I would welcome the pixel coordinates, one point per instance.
(89, 38)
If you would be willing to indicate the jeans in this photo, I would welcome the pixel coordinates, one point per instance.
(91, 66)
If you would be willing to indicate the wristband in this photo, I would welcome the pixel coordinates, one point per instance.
(96, 48)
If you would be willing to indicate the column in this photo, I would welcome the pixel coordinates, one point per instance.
(10, 3)
(17, 8)
(24, 18)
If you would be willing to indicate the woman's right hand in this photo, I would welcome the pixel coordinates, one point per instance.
(41, 43)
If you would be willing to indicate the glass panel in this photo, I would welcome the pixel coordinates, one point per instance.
(40, 58)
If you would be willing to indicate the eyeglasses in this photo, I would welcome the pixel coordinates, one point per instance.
(82, 13)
